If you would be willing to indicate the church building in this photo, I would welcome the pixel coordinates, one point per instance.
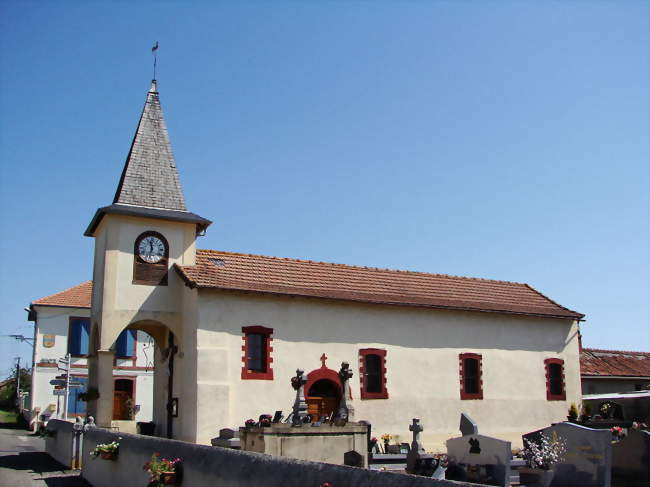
(231, 329)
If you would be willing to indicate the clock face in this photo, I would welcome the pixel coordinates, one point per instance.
(151, 249)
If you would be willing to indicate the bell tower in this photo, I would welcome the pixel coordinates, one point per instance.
(138, 239)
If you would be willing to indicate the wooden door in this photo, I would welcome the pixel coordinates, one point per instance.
(120, 411)
(321, 406)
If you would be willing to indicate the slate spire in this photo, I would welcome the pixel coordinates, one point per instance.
(149, 178)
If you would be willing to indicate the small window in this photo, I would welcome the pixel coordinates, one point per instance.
(257, 353)
(471, 376)
(78, 333)
(555, 387)
(372, 367)
(125, 346)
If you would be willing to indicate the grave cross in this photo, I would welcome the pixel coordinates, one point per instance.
(323, 358)
(416, 428)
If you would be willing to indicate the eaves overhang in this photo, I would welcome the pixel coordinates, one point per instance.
(157, 213)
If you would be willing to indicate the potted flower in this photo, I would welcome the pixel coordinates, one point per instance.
(386, 439)
(617, 433)
(573, 413)
(161, 470)
(540, 457)
(107, 451)
(265, 420)
(250, 423)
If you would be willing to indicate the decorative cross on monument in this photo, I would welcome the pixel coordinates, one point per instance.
(299, 405)
(323, 358)
(416, 428)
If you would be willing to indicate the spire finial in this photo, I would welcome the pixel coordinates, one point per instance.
(155, 58)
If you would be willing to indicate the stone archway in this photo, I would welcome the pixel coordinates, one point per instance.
(323, 391)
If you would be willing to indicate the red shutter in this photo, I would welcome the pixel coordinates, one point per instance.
(464, 394)
(550, 396)
(363, 373)
(247, 374)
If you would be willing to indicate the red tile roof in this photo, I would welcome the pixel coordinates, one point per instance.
(596, 362)
(75, 297)
(258, 273)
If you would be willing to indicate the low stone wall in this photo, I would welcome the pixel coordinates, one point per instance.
(209, 466)
(58, 443)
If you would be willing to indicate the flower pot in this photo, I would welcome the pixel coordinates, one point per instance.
(535, 477)
(168, 478)
(108, 455)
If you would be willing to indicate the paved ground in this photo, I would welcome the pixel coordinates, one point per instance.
(23, 462)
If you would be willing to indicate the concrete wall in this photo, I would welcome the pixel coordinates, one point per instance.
(607, 386)
(210, 466)
(422, 363)
(59, 446)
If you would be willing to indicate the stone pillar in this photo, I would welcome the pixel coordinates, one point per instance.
(105, 386)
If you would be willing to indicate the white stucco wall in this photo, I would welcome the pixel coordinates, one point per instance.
(422, 363)
(55, 320)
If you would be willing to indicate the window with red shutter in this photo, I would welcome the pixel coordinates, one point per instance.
(471, 375)
(372, 373)
(256, 360)
(555, 387)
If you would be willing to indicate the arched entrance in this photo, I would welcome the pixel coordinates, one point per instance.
(323, 399)
(322, 391)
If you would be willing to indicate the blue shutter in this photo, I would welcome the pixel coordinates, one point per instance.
(76, 405)
(125, 344)
(78, 338)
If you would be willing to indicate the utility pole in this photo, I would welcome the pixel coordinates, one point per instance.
(66, 362)
(18, 384)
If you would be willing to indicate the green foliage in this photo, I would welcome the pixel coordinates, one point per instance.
(573, 412)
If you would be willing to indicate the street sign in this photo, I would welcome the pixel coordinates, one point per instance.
(59, 392)
(57, 382)
(75, 385)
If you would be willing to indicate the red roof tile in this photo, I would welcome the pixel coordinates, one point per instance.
(257, 273)
(596, 362)
(75, 297)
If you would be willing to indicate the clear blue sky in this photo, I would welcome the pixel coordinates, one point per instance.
(504, 140)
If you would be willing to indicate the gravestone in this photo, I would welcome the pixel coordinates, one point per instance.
(277, 417)
(228, 438)
(588, 458)
(418, 462)
(478, 458)
(299, 405)
(353, 459)
(631, 460)
(345, 410)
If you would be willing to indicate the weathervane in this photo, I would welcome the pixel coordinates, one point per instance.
(155, 58)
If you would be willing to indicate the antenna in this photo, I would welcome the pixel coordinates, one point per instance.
(154, 50)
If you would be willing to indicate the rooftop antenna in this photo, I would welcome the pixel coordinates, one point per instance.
(155, 58)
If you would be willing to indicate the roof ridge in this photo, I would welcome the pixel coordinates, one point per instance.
(89, 281)
(585, 349)
(349, 266)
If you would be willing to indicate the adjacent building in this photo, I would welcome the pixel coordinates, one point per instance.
(62, 326)
(614, 371)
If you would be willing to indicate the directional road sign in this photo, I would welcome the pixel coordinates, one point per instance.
(57, 382)
(59, 392)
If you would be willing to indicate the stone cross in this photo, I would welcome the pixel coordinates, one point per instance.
(323, 358)
(416, 428)
(346, 410)
(299, 405)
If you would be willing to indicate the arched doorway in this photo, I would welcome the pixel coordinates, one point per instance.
(323, 398)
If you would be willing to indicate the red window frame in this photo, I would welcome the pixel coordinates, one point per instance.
(463, 392)
(363, 376)
(549, 395)
(246, 373)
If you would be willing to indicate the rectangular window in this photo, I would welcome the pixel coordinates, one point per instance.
(471, 375)
(372, 373)
(257, 353)
(555, 387)
(78, 337)
(125, 346)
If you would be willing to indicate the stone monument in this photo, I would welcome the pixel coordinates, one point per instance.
(346, 409)
(299, 405)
